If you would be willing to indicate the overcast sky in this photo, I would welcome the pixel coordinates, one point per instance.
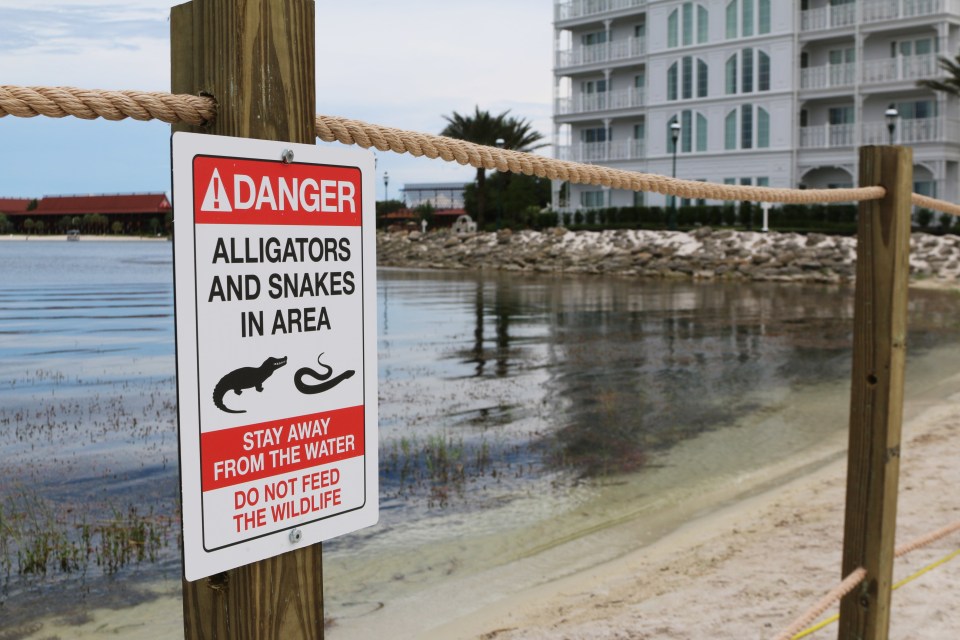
(400, 64)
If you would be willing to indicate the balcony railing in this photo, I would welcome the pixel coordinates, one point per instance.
(586, 102)
(876, 10)
(828, 76)
(827, 135)
(910, 131)
(605, 52)
(631, 149)
(829, 17)
(580, 8)
(900, 68)
(913, 131)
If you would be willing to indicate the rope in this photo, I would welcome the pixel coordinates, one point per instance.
(794, 630)
(849, 584)
(932, 203)
(346, 131)
(58, 102)
(89, 104)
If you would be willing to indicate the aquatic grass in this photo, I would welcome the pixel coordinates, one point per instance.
(37, 539)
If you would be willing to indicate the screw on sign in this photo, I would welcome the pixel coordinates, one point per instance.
(276, 330)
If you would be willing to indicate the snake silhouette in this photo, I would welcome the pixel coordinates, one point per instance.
(325, 383)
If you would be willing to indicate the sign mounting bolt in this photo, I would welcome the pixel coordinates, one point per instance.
(295, 536)
(287, 156)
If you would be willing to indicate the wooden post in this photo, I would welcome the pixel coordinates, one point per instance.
(876, 399)
(256, 58)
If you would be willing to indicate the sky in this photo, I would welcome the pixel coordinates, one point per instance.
(398, 64)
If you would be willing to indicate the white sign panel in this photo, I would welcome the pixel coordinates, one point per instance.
(275, 286)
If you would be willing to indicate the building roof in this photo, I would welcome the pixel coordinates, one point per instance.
(449, 212)
(435, 186)
(14, 205)
(104, 204)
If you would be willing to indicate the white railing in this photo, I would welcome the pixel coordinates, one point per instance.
(827, 135)
(912, 131)
(586, 102)
(900, 68)
(876, 10)
(828, 76)
(579, 8)
(604, 52)
(630, 149)
(842, 15)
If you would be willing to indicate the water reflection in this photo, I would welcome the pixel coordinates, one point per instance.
(602, 372)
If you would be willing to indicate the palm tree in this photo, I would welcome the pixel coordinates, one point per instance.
(949, 85)
(483, 128)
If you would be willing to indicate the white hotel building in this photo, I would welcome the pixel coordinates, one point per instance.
(774, 93)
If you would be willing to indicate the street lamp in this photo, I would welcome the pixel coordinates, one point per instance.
(386, 182)
(674, 135)
(500, 145)
(891, 114)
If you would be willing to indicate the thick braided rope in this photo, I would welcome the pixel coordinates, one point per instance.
(924, 540)
(58, 102)
(89, 104)
(346, 131)
(849, 584)
(846, 587)
(932, 203)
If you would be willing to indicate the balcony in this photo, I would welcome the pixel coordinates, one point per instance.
(828, 76)
(605, 52)
(583, 8)
(877, 10)
(843, 15)
(587, 102)
(900, 68)
(827, 135)
(630, 149)
(913, 131)
(907, 132)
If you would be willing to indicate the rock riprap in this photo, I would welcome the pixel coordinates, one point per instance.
(701, 254)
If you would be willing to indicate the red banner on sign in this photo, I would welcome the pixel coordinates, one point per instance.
(241, 454)
(264, 192)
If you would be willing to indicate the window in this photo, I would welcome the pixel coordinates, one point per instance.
(745, 18)
(917, 110)
(640, 80)
(594, 86)
(693, 132)
(596, 134)
(640, 131)
(687, 22)
(750, 64)
(747, 127)
(597, 37)
(840, 115)
(919, 47)
(681, 79)
(640, 30)
(591, 198)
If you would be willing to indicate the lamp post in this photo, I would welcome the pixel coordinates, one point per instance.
(500, 145)
(386, 183)
(891, 114)
(674, 135)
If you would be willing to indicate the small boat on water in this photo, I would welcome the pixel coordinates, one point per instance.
(73, 235)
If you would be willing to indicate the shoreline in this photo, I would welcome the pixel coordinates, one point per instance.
(10, 237)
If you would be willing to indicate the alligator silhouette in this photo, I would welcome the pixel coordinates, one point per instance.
(325, 384)
(245, 378)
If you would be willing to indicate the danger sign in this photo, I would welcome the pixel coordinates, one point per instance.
(276, 346)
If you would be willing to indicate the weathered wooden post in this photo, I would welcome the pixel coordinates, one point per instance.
(876, 399)
(257, 59)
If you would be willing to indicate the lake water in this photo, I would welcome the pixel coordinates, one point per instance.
(518, 415)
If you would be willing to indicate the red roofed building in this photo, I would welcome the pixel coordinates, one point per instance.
(14, 205)
(137, 213)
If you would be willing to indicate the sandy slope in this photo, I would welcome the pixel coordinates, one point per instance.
(748, 570)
